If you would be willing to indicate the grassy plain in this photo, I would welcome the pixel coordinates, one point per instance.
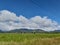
(29, 39)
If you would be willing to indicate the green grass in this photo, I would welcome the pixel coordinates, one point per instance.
(29, 39)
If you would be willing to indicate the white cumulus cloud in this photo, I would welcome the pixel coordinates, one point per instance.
(10, 21)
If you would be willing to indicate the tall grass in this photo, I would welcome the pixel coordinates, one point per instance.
(29, 39)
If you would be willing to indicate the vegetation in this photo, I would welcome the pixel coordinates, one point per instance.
(29, 39)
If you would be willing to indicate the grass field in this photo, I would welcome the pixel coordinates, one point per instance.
(29, 39)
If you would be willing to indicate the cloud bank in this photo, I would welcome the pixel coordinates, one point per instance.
(10, 21)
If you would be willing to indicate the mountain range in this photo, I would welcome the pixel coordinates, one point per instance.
(24, 30)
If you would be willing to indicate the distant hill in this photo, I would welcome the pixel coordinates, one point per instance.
(26, 31)
(56, 31)
(1, 31)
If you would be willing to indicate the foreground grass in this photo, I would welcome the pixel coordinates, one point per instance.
(29, 39)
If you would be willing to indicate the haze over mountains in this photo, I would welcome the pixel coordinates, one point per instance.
(10, 21)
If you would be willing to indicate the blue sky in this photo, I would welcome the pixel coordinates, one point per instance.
(30, 8)
(30, 14)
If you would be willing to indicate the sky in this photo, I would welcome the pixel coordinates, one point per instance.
(30, 8)
(35, 9)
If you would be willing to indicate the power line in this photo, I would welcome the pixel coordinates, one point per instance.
(34, 2)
